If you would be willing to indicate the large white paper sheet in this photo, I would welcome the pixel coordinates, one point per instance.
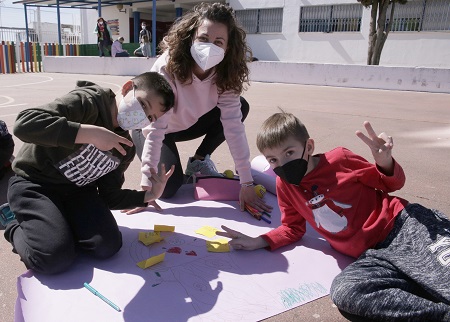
(239, 285)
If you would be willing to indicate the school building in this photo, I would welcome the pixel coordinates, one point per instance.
(314, 31)
(314, 42)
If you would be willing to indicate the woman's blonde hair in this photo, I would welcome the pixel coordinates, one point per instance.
(232, 72)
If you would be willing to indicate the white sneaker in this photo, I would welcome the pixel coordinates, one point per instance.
(205, 167)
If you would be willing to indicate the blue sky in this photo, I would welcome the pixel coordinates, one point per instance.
(12, 15)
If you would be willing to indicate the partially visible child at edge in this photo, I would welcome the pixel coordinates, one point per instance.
(6, 149)
(402, 271)
(204, 58)
(70, 171)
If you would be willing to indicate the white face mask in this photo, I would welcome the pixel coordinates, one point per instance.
(206, 55)
(131, 115)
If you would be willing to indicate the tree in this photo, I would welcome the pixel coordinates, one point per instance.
(378, 29)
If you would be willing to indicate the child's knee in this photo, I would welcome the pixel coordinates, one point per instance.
(172, 186)
(343, 291)
(107, 247)
(54, 263)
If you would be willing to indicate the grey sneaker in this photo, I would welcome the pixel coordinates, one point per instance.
(205, 167)
(6, 215)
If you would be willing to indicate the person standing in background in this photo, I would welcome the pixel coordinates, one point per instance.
(103, 36)
(145, 38)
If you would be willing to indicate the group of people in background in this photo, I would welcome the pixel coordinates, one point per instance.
(105, 43)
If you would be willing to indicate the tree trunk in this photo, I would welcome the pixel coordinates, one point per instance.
(372, 31)
(382, 30)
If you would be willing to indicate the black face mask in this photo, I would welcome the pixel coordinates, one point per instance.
(293, 171)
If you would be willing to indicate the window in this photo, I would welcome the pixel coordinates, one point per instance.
(256, 21)
(339, 18)
(423, 15)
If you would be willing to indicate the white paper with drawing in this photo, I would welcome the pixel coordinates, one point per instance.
(190, 284)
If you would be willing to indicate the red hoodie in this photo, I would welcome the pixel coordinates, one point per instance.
(345, 198)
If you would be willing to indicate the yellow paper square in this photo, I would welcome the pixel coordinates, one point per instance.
(207, 231)
(218, 245)
(151, 261)
(164, 228)
(148, 238)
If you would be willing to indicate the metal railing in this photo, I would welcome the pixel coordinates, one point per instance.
(256, 21)
(19, 35)
(331, 18)
(422, 15)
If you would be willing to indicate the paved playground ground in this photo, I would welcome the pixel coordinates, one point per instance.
(419, 122)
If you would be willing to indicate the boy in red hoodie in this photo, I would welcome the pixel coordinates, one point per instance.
(402, 271)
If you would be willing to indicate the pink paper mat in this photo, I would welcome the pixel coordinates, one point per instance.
(191, 284)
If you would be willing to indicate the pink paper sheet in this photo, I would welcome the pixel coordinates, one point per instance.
(238, 285)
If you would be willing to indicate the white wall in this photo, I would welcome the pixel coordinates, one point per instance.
(429, 49)
(360, 76)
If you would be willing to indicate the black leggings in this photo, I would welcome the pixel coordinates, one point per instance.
(56, 222)
(208, 125)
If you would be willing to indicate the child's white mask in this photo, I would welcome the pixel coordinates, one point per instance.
(206, 55)
(131, 115)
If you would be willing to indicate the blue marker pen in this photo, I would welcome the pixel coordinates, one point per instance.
(266, 220)
(266, 213)
(95, 292)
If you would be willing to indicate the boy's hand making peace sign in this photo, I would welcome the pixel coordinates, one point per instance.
(381, 147)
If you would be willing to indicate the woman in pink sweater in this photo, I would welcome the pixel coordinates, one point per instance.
(205, 61)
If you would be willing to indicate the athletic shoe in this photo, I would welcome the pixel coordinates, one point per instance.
(6, 215)
(204, 167)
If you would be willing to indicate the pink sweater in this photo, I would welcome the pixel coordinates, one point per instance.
(191, 102)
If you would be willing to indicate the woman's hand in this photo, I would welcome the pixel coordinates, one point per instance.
(248, 195)
(241, 241)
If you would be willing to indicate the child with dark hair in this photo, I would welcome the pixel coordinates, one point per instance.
(70, 171)
(402, 271)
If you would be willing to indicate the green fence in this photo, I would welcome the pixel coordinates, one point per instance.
(92, 49)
